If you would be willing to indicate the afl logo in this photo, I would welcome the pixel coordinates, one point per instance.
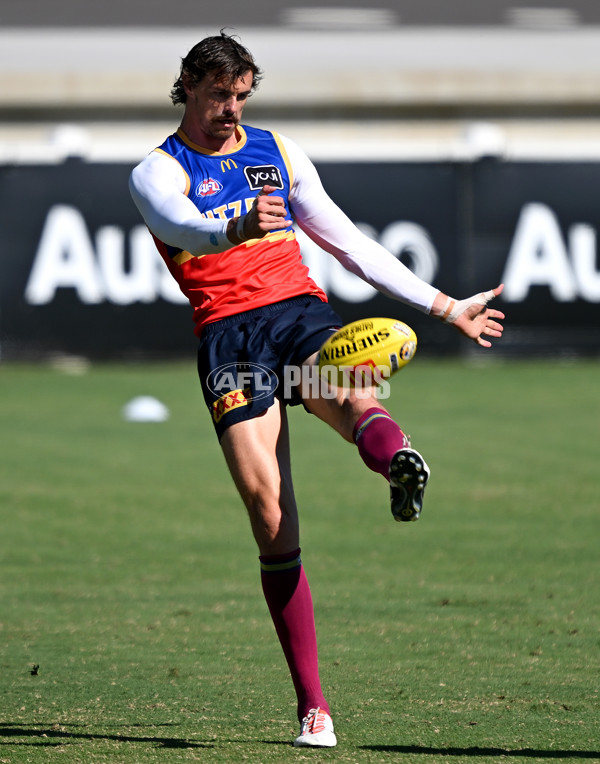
(253, 379)
(209, 187)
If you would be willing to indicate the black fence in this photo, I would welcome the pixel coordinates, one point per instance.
(79, 273)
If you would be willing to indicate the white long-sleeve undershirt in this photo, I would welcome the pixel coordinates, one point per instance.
(158, 187)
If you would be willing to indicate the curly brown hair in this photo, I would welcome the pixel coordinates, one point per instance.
(221, 54)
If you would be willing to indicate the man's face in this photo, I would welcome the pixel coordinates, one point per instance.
(215, 105)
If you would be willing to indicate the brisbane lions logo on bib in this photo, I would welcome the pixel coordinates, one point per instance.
(263, 175)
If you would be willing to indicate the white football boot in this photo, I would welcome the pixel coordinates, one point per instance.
(316, 730)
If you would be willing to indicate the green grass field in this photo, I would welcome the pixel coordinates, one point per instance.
(132, 625)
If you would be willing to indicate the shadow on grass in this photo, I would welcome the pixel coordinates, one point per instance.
(527, 753)
(58, 735)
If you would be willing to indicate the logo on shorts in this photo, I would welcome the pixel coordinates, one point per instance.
(237, 384)
(229, 402)
(263, 175)
(209, 187)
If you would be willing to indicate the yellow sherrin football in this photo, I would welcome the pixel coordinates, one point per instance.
(365, 351)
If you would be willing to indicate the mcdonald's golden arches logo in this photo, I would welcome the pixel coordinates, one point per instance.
(227, 163)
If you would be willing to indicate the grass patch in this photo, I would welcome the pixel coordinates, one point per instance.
(133, 627)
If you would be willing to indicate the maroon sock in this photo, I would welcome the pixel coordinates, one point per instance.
(378, 438)
(288, 596)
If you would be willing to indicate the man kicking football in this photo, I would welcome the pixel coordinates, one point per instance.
(221, 199)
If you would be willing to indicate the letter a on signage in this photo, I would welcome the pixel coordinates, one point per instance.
(538, 257)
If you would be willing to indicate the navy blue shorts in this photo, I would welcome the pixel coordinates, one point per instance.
(247, 360)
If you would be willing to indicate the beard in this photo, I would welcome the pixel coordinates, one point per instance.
(223, 127)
